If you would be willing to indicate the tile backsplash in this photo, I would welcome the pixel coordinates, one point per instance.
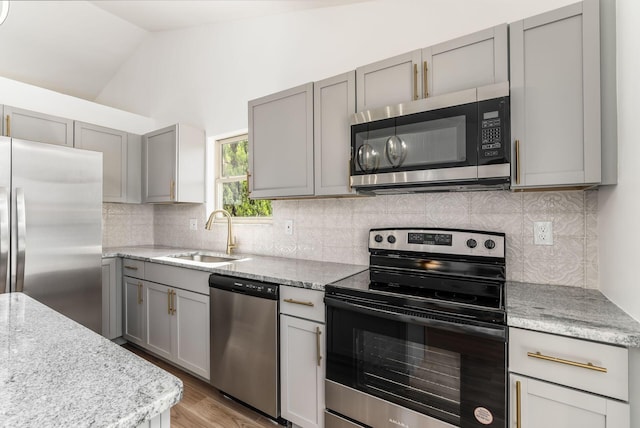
(336, 230)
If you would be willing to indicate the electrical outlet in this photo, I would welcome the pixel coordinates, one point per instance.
(288, 227)
(542, 233)
(193, 224)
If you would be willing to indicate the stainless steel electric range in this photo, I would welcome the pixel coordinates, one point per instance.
(419, 340)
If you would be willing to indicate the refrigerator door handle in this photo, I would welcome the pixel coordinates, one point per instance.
(22, 238)
(4, 238)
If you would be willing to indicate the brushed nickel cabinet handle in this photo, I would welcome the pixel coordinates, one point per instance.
(173, 303)
(8, 130)
(248, 182)
(425, 83)
(518, 404)
(415, 81)
(131, 267)
(517, 161)
(349, 188)
(298, 302)
(172, 190)
(588, 366)
(169, 302)
(318, 333)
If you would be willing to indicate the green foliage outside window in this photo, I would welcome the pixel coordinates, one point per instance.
(235, 194)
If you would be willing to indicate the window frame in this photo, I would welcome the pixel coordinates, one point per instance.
(218, 179)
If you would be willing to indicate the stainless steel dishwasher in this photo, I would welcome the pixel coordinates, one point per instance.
(244, 341)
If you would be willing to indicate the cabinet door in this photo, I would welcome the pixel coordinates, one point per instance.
(391, 81)
(334, 102)
(281, 144)
(159, 150)
(302, 365)
(555, 97)
(448, 64)
(539, 404)
(33, 126)
(113, 146)
(191, 328)
(134, 311)
(158, 306)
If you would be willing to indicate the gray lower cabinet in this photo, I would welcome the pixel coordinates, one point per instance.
(34, 126)
(302, 356)
(173, 165)
(563, 382)
(435, 70)
(111, 298)
(281, 144)
(121, 160)
(555, 98)
(166, 312)
(334, 102)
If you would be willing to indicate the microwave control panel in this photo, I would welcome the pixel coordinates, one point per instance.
(494, 133)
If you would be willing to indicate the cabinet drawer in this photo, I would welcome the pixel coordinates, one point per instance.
(550, 357)
(302, 303)
(133, 268)
(173, 276)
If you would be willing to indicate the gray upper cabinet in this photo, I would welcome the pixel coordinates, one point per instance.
(121, 160)
(435, 70)
(173, 165)
(470, 61)
(334, 103)
(33, 126)
(555, 98)
(281, 144)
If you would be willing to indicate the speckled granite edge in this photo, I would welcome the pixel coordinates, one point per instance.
(57, 373)
(570, 311)
(300, 273)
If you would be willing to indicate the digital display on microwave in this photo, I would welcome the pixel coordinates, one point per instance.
(490, 115)
(430, 238)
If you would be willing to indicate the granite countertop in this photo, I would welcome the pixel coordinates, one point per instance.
(56, 373)
(570, 311)
(294, 272)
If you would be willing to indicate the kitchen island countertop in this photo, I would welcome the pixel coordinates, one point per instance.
(281, 270)
(56, 373)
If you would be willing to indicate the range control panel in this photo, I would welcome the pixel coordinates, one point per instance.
(444, 241)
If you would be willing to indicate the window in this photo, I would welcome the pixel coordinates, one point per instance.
(231, 182)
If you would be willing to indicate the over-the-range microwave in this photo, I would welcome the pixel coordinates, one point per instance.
(457, 141)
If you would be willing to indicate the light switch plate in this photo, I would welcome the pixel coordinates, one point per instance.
(193, 224)
(288, 227)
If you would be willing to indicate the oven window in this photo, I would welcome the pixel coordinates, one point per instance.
(405, 370)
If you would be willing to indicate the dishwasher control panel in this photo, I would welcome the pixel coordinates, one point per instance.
(244, 286)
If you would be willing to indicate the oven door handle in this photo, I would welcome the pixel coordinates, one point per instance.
(493, 332)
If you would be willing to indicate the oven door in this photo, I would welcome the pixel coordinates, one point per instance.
(431, 146)
(390, 369)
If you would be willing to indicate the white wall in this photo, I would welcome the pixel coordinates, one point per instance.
(205, 76)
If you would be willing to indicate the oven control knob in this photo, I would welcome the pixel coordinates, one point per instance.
(489, 244)
(378, 238)
(472, 243)
(391, 239)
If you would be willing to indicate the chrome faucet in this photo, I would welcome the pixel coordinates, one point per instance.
(231, 242)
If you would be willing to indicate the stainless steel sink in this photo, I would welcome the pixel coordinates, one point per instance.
(203, 258)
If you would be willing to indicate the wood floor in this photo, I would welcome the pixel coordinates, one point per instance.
(203, 406)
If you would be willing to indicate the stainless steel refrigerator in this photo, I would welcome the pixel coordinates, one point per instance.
(51, 227)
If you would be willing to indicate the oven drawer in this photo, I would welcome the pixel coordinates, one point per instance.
(302, 303)
(601, 369)
(133, 268)
(335, 421)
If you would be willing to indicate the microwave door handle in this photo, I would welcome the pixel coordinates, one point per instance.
(22, 238)
(496, 333)
(4, 239)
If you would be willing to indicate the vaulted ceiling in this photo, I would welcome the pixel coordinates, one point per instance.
(75, 47)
